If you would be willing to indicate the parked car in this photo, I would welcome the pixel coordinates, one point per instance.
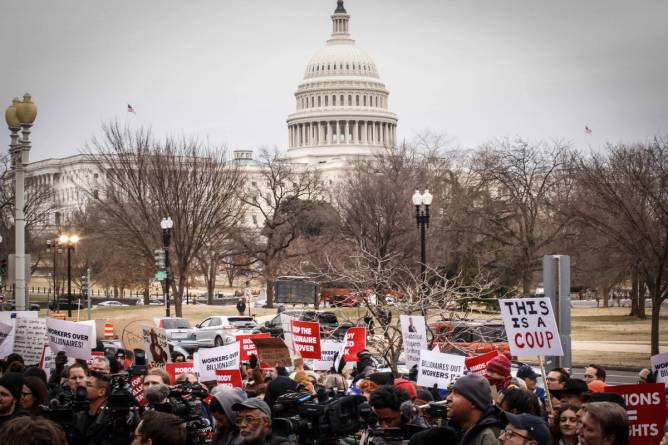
(221, 330)
(179, 332)
(469, 336)
(329, 324)
(63, 304)
(112, 303)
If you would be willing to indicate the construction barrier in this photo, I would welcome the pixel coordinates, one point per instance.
(108, 330)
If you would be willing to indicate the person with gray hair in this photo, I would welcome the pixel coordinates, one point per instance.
(100, 364)
(603, 423)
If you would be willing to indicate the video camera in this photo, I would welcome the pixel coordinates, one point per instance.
(62, 410)
(185, 401)
(318, 422)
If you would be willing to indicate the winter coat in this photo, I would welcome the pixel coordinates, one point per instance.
(486, 431)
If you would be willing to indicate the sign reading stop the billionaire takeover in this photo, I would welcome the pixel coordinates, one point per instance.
(306, 339)
(646, 409)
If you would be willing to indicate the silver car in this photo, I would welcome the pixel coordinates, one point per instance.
(179, 332)
(221, 330)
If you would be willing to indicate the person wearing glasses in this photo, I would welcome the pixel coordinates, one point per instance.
(254, 422)
(33, 394)
(524, 429)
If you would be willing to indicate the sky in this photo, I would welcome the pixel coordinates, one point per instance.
(226, 71)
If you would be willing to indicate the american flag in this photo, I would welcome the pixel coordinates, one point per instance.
(587, 129)
(130, 109)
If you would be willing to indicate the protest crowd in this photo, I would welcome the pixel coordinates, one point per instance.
(256, 396)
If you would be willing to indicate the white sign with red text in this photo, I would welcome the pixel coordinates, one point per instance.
(306, 338)
(530, 326)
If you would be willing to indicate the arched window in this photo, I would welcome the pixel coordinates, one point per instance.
(320, 101)
(326, 101)
(312, 101)
(350, 100)
(333, 100)
(357, 100)
(342, 100)
(365, 101)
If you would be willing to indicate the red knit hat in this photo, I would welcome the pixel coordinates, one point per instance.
(407, 386)
(499, 364)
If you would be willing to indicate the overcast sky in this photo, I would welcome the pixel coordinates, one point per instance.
(227, 70)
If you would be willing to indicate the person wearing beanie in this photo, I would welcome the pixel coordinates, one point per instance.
(498, 373)
(407, 386)
(34, 371)
(596, 386)
(10, 394)
(470, 409)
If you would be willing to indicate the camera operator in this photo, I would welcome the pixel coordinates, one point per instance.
(470, 409)
(254, 423)
(92, 426)
(156, 376)
(158, 428)
(157, 397)
(394, 409)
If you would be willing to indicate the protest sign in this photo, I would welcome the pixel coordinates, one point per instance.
(29, 338)
(646, 409)
(9, 317)
(478, 364)
(206, 361)
(70, 337)
(230, 378)
(156, 347)
(5, 330)
(437, 368)
(306, 338)
(328, 350)
(93, 325)
(176, 369)
(414, 334)
(137, 389)
(353, 342)
(272, 352)
(247, 345)
(660, 366)
(46, 360)
(531, 327)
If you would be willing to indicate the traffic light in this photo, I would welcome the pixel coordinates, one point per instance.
(84, 286)
(3, 265)
(159, 256)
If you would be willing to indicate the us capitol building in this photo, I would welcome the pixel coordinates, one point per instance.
(341, 115)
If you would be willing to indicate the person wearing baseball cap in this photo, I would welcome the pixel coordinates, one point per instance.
(524, 429)
(470, 409)
(254, 422)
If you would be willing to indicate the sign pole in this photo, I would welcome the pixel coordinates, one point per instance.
(548, 397)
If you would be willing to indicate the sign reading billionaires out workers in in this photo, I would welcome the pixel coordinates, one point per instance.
(531, 327)
(436, 368)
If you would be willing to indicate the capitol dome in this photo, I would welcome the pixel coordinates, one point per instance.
(341, 104)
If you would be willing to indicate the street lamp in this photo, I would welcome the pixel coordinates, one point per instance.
(422, 219)
(20, 116)
(70, 242)
(166, 224)
(52, 247)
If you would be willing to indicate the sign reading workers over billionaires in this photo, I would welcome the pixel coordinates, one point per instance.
(71, 337)
(436, 368)
(306, 339)
(660, 366)
(531, 327)
(207, 361)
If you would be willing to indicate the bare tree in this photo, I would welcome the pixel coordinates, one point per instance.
(146, 180)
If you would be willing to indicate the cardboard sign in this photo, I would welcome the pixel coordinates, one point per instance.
(230, 378)
(353, 342)
(29, 338)
(531, 327)
(5, 330)
(328, 351)
(70, 337)
(206, 361)
(414, 334)
(478, 364)
(137, 389)
(9, 317)
(272, 352)
(247, 345)
(156, 347)
(176, 369)
(660, 366)
(306, 338)
(646, 408)
(437, 368)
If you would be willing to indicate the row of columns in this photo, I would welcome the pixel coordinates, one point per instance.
(342, 132)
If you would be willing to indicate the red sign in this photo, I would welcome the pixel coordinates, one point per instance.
(230, 378)
(478, 364)
(137, 389)
(354, 342)
(247, 346)
(646, 408)
(176, 369)
(306, 338)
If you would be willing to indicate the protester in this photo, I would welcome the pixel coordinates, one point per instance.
(187, 377)
(277, 387)
(594, 372)
(564, 428)
(254, 423)
(76, 376)
(365, 365)
(33, 394)
(470, 409)
(518, 401)
(572, 392)
(156, 376)
(241, 306)
(603, 423)
(407, 386)
(556, 379)
(227, 431)
(32, 431)
(34, 371)
(92, 425)
(498, 373)
(530, 378)
(100, 364)
(643, 375)
(10, 393)
(524, 429)
(157, 428)
(386, 403)
(178, 357)
(596, 386)
(367, 387)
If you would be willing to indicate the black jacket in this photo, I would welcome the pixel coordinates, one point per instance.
(480, 433)
(18, 412)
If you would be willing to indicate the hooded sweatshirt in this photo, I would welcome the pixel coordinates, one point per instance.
(227, 398)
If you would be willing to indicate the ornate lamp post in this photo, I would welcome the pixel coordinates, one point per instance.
(20, 116)
(52, 247)
(422, 219)
(166, 224)
(70, 242)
